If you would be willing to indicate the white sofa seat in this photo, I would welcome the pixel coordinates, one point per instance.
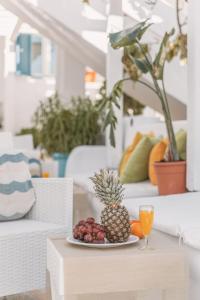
(140, 189)
(20, 228)
(191, 237)
(174, 214)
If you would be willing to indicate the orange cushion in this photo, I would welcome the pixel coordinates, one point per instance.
(128, 152)
(157, 154)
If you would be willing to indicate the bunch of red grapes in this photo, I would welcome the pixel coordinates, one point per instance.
(89, 232)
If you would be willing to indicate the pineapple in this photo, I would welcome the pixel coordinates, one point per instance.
(114, 217)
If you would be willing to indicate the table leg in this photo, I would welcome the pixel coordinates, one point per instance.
(54, 293)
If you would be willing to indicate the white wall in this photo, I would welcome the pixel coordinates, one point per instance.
(193, 141)
(70, 76)
(19, 95)
(2, 72)
(70, 73)
(22, 97)
(68, 12)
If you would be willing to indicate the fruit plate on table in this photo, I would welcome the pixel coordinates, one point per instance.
(103, 245)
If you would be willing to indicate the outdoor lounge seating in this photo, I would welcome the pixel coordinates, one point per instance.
(23, 242)
(99, 150)
(85, 160)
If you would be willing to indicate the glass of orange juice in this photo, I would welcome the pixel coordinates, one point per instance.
(146, 221)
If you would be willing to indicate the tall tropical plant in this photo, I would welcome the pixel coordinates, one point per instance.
(131, 39)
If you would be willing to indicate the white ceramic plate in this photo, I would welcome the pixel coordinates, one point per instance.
(132, 239)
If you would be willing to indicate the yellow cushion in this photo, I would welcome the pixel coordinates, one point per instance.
(157, 154)
(128, 152)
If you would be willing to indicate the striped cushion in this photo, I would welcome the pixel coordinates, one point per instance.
(16, 189)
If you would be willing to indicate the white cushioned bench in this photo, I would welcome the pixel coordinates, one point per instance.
(178, 216)
(174, 214)
(140, 189)
(85, 160)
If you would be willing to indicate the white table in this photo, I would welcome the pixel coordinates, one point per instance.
(117, 274)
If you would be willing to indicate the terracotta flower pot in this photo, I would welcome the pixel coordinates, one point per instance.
(171, 177)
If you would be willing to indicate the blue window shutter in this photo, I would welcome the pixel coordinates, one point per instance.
(23, 54)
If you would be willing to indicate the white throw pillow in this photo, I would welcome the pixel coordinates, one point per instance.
(16, 190)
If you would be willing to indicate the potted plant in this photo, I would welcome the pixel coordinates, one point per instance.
(171, 174)
(52, 122)
(60, 129)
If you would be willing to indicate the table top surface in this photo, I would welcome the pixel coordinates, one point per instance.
(161, 243)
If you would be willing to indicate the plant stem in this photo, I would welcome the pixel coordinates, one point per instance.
(146, 84)
(173, 145)
(140, 81)
(178, 17)
(165, 108)
(168, 121)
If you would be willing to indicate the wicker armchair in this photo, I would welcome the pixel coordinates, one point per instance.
(23, 242)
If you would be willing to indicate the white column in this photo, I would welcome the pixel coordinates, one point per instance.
(114, 72)
(2, 74)
(70, 75)
(193, 148)
(2, 64)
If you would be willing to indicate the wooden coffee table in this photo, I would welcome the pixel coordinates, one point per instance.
(118, 273)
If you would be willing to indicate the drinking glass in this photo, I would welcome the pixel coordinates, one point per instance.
(146, 221)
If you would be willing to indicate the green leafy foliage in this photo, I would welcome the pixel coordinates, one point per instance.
(142, 65)
(87, 122)
(133, 60)
(53, 122)
(128, 36)
(106, 106)
(61, 129)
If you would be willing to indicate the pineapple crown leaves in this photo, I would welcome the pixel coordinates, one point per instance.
(108, 187)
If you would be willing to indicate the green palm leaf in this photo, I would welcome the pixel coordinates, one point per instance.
(128, 36)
